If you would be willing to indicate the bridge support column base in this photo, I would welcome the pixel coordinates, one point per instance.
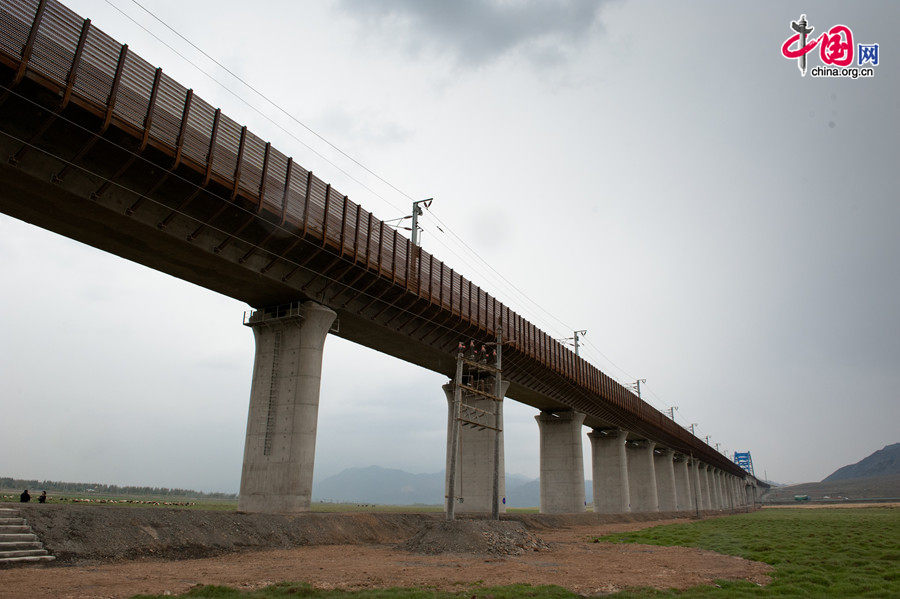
(474, 484)
(664, 467)
(715, 482)
(562, 462)
(642, 477)
(696, 486)
(705, 494)
(683, 496)
(279, 451)
(610, 471)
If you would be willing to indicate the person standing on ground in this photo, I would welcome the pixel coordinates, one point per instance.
(25, 497)
(42, 498)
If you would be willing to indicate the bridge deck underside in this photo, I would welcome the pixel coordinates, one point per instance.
(86, 172)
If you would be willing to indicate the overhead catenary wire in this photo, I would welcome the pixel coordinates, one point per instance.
(254, 108)
(209, 192)
(631, 378)
(492, 274)
(264, 250)
(499, 281)
(272, 102)
(566, 327)
(305, 126)
(206, 224)
(447, 230)
(212, 227)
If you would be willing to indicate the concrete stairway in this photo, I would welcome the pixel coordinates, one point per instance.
(18, 544)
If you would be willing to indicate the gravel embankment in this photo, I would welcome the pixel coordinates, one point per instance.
(76, 533)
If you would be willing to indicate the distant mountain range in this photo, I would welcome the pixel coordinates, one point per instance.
(374, 484)
(874, 477)
(389, 486)
(883, 462)
(868, 487)
(528, 494)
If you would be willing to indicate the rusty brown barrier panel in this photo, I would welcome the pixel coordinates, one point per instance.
(49, 43)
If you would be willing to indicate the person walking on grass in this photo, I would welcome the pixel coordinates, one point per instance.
(25, 497)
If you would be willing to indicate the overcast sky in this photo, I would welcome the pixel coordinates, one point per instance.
(656, 173)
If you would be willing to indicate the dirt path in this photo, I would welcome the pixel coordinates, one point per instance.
(573, 561)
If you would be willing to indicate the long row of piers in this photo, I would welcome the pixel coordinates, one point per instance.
(631, 474)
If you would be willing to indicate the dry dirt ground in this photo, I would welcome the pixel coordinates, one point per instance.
(572, 561)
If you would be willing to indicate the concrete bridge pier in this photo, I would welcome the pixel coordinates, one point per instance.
(705, 491)
(562, 462)
(474, 483)
(610, 469)
(683, 495)
(642, 476)
(697, 493)
(280, 447)
(723, 490)
(723, 485)
(715, 484)
(723, 497)
(664, 466)
(729, 491)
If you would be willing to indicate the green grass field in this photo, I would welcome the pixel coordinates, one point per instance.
(830, 552)
(816, 553)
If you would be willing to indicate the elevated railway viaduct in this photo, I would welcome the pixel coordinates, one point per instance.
(102, 147)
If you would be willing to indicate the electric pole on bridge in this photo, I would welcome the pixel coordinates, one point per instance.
(416, 213)
(636, 385)
(693, 425)
(671, 411)
(414, 230)
(574, 338)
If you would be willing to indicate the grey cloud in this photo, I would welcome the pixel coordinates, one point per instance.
(367, 127)
(476, 32)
